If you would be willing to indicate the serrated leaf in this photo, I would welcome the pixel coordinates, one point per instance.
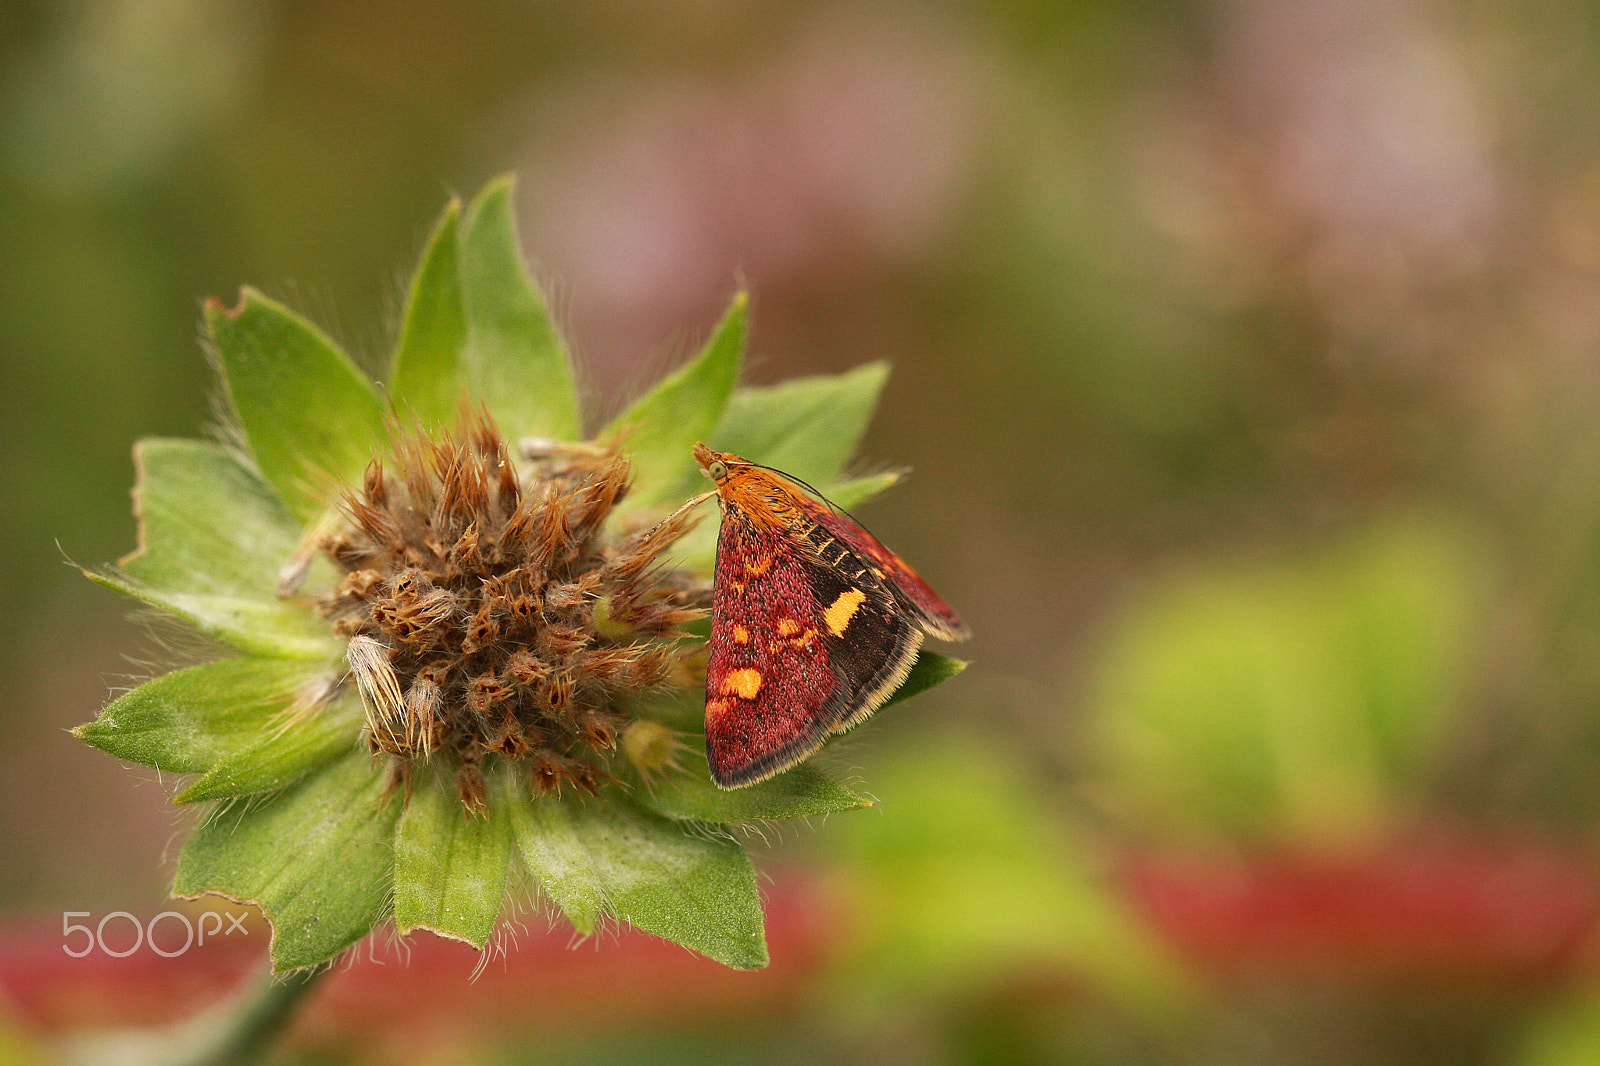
(648, 870)
(212, 540)
(318, 858)
(696, 891)
(808, 427)
(311, 418)
(690, 795)
(450, 866)
(424, 378)
(513, 359)
(929, 670)
(684, 407)
(207, 524)
(186, 721)
(282, 753)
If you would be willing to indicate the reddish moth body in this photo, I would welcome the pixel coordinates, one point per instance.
(814, 623)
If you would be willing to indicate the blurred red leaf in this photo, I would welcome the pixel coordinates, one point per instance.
(1437, 905)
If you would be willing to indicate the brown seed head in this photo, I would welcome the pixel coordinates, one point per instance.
(469, 602)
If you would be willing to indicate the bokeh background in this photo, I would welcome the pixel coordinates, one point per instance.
(1247, 361)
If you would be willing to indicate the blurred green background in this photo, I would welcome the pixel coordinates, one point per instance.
(1245, 355)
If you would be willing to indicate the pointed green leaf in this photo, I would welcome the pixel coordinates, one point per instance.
(663, 426)
(513, 360)
(283, 752)
(848, 495)
(424, 380)
(317, 857)
(693, 890)
(663, 877)
(807, 427)
(450, 866)
(929, 670)
(548, 837)
(281, 631)
(312, 419)
(186, 721)
(690, 795)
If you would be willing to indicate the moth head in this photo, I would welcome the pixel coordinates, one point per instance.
(760, 494)
(718, 466)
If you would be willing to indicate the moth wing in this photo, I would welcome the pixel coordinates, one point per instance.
(913, 594)
(871, 643)
(799, 650)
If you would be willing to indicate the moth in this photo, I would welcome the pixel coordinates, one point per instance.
(814, 623)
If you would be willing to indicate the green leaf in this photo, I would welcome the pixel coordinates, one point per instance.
(283, 752)
(970, 875)
(929, 670)
(317, 857)
(450, 866)
(249, 626)
(212, 540)
(206, 523)
(663, 877)
(808, 427)
(851, 494)
(513, 360)
(187, 721)
(312, 419)
(690, 795)
(1301, 697)
(663, 426)
(424, 379)
(549, 839)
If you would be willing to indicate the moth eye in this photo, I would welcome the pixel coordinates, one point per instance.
(718, 470)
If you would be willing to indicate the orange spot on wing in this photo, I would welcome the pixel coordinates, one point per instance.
(744, 683)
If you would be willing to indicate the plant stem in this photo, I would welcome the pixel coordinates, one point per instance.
(256, 1021)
